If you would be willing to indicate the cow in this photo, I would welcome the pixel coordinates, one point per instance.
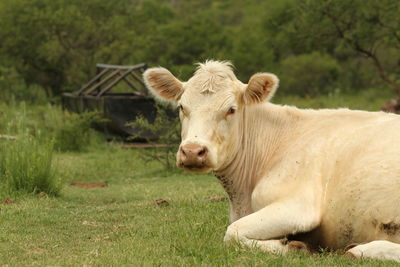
(326, 178)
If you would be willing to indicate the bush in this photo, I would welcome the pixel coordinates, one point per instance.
(165, 130)
(26, 166)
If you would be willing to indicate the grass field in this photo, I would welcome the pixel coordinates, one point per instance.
(121, 224)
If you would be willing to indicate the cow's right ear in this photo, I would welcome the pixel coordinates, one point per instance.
(261, 87)
(163, 84)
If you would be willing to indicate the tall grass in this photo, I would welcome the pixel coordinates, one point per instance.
(26, 165)
(26, 162)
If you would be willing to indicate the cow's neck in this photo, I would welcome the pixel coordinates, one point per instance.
(261, 131)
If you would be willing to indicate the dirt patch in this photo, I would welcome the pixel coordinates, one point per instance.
(216, 198)
(161, 202)
(8, 201)
(89, 185)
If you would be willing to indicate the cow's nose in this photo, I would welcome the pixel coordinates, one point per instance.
(193, 155)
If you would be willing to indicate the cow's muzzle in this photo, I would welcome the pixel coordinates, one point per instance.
(193, 156)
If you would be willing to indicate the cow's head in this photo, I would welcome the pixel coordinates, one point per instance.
(211, 105)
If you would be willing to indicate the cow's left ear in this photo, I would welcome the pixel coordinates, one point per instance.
(261, 87)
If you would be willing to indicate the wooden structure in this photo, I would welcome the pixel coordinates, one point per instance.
(119, 107)
(108, 76)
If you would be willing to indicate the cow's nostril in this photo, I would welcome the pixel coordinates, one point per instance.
(202, 152)
(183, 151)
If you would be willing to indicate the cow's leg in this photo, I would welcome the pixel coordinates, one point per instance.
(265, 227)
(380, 249)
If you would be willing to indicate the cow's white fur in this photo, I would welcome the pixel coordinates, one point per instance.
(332, 174)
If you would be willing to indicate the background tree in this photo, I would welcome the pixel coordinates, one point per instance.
(350, 46)
(371, 29)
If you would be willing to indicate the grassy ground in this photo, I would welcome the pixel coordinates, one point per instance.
(121, 225)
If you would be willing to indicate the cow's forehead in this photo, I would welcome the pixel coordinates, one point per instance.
(215, 92)
(206, 82)
(222, 99)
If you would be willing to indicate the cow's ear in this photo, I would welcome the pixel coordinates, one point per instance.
(261, 87)
(163, 84)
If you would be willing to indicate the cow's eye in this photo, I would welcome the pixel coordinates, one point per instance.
(231, 111)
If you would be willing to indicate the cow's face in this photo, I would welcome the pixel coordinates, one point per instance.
(210, 106)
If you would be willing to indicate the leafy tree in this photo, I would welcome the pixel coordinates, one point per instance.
(369, 28)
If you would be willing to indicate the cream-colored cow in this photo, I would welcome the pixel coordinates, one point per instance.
(326, 177)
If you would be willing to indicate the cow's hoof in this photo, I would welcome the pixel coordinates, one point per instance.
(350, 255)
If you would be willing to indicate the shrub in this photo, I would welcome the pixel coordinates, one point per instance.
(165, 130)
(74, 132)
(26, 166)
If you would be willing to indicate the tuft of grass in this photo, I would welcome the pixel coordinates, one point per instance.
(26, 162)
(26, 166)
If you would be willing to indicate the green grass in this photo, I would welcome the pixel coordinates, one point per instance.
(121, 225)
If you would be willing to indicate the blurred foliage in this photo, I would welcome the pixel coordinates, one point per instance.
(13, 88)
(309, 74)
(350, 45)
(49, 123)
